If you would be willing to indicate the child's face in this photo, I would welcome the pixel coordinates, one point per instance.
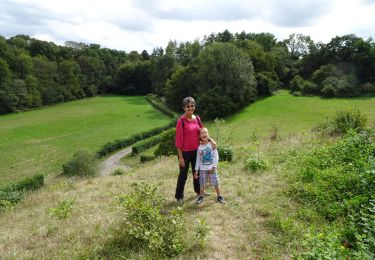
(203, 133)
(189, 108)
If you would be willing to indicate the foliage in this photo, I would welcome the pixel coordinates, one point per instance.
(345, 120)
(255, 162)
(158, 104)
(152, 141)
(226, 80)
(146, 158)
(121, 143)
(117, 171)
(146, 229)
(83, 164)
(166, 146)
(12, 193)
(337, 181)
(64, 209)
(225, 153)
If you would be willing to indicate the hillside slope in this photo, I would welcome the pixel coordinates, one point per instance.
(256, 223)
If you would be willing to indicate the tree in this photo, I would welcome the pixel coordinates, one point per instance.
(226, 80)
(183, 83)
(298, 45)
(69, 74)
(134, 78)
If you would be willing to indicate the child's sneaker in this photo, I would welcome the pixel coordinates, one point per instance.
(220, 199)
(199, 200)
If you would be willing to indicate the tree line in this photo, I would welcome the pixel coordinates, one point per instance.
(224, 71)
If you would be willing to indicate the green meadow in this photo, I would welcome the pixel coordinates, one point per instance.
(40, 141)
(291, 115)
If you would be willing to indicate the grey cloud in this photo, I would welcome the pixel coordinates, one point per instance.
(296, 14)
(282, 13)
(23, 18)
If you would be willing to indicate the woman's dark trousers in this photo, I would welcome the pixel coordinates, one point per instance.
(189, 158)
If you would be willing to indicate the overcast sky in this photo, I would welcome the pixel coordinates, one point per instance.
(145, 24)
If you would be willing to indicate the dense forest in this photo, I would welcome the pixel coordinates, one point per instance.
(224, 71)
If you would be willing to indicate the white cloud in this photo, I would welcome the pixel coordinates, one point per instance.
(145, 24)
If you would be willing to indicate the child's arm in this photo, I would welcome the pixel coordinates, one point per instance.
(215, 160)
(196, 175)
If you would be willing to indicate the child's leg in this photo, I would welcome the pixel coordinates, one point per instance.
(202, 190)
(217, 189)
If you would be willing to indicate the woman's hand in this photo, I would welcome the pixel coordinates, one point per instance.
(213, 143)
(196, 175)
(181, 162)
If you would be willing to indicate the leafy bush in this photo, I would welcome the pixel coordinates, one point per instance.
(225, 153)
(149, 231)
(121, 143)
(338, 182)
(63, 210)
(152, 141)
(166, 146)
(158, 104)
(255, 162)
(118, 171)
(344, 121)
(350, 119)
(83, 164)
(146, 158)
(12, 193)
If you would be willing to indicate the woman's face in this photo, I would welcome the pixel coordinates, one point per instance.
(189, 109)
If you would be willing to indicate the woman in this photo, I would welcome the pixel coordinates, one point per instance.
(187, 142)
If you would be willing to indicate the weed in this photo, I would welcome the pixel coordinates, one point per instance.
(255, 163)
(64, 209)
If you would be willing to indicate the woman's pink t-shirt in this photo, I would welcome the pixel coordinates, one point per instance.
(187, 137)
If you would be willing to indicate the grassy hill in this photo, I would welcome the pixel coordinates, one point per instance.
(260, 220)
(40, 141)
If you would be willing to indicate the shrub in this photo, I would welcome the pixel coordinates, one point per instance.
(146, 158)
(149, 231)
(350, 119)
(166, 146)
(337, 181)
(367, 88)
(158, 104)
(12, 193)
(118, 171)
(255, 162)
(225, 153)
(83, 164)
(344, 121)
(63, 210)
(152, 141)
(121, 143)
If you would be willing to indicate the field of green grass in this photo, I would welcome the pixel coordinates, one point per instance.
(40, 141)
(259, 221)
(291, 115)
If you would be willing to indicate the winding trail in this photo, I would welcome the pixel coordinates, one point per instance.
(114, 162)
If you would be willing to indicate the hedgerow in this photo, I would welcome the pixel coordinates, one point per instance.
(12, 193)
(121, 143)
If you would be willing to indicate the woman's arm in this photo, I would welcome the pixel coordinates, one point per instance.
(213, 143)
(181, 160)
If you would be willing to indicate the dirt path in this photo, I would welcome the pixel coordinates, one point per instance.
(114, 161)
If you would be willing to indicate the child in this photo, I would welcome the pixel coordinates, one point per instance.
(207, 160)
